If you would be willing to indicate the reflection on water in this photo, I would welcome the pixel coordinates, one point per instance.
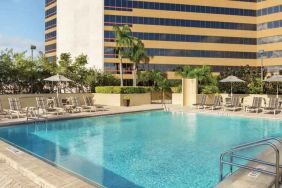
(152, 149)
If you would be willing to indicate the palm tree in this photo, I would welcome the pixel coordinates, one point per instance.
(124, 41)
(137, 55)
(207, 82)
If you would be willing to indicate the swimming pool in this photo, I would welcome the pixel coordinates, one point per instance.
(150, 149)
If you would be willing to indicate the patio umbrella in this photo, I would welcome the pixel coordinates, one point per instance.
(277, 79)
(59, 79)
(231, 79)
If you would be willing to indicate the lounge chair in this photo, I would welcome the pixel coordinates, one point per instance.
(216, 103)
(43, 107)
(273, 106)
(2, 111)
(16, 108)
(256, 105)
(77, 107)
(235, 104)
(202, 102)
(90, 103)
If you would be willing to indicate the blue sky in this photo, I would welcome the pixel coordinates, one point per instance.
(21, 24)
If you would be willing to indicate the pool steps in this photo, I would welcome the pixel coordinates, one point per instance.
(262, 171)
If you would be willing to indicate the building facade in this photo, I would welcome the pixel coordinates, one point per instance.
(175, 33)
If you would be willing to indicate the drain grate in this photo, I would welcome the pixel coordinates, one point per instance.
(14, 150)
(255, 174)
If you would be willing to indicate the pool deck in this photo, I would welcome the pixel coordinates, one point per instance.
(242, 178)
(20, 169)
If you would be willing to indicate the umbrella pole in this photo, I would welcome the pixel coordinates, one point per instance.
(58, 90)
(231, 89)
(277, 95)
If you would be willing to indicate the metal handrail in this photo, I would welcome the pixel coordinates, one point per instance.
(165, 107)
(259, 141)
(34, 112)
(270, 142)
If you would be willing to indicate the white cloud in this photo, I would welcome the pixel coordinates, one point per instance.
(19, 44)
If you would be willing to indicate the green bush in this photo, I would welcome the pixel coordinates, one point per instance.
(177, 89)
(122, 90)
(210, 89)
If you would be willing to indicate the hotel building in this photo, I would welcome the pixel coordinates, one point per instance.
(218, 33)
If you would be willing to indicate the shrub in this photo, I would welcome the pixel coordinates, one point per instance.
(210, 89)
(122, 90)
(177, 89)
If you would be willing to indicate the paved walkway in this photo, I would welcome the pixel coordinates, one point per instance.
(11, 178)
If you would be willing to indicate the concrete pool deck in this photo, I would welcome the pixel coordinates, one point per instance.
(20, 169)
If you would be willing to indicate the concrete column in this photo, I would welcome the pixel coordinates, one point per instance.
(190, 91)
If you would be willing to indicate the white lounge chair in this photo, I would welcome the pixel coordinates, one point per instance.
(90, 103)
(77, 107)
(45, 109)
(58, 105)
(16, 108)
(215, 105)
(256, 105)
(3, 112)
(235, 104)
(202, 102)
(273, 106)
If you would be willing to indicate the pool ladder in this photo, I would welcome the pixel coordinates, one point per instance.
(273, 143)
(165, 107)
(33, 115)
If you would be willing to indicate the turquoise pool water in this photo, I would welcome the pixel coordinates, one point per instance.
(151, 149)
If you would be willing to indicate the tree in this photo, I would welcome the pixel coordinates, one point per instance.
(207, 82)
(251, 76)
(137, 55)
(124, 41)
(96, 78)
(157, 79)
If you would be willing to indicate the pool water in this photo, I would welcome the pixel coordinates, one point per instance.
(150, 149)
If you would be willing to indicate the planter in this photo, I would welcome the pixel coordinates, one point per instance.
(126, 102)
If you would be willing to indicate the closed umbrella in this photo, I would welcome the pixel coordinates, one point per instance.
(59, 79)
(277, 79)
(232, 79)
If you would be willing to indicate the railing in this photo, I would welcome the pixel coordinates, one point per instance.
(34, 114)
(270, 142)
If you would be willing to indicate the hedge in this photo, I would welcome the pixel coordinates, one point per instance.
(122, 90)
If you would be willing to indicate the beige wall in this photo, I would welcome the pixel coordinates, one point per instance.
(28, 100)
(138, 99)
(117, 99)
(177, 98)
(107, 99)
